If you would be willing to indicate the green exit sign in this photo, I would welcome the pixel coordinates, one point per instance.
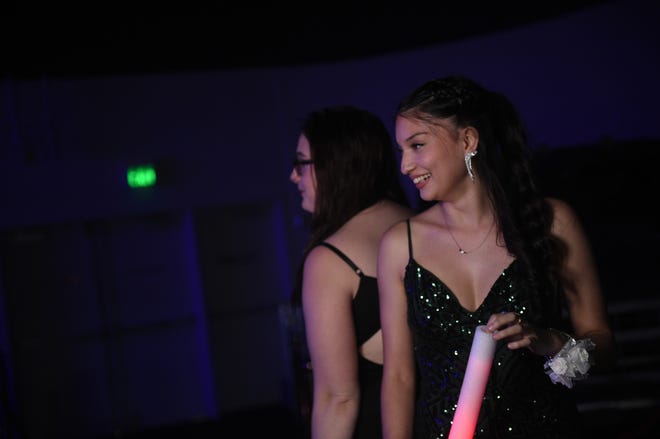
(141, 176)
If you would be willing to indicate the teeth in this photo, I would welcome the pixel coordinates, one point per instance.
(421, 178)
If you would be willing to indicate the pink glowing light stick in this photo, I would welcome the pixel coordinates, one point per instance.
(474, 385)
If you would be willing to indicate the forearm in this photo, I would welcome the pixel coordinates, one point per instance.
(604, 353)
(397, 409)
(552, 341)
(578, 357)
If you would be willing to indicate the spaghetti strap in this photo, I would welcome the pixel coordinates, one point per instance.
(409, 239)
(346, 259)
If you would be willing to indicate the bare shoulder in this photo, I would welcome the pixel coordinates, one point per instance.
(320, 259)
(365, 229)
(393, 212)
(560, 208)
(401, 210)
(566, 219)
(425, 222)
(393, 250)
(322, 264)
(396, 231)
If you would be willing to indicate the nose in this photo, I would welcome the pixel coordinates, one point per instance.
(406, 165)
(294, 177)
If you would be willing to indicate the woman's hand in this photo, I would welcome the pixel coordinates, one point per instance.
(517, 333)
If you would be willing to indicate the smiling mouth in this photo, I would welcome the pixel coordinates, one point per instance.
(421, 178)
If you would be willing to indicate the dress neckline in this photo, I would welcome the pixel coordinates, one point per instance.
(453, 295)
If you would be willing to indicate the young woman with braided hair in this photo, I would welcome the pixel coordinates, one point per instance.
(490, 251)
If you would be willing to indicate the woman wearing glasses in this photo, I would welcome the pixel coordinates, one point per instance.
(345, 170)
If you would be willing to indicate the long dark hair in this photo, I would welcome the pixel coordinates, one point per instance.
(505, 168)
(355, 165)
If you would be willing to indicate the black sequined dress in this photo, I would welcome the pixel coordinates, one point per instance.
(520, 400)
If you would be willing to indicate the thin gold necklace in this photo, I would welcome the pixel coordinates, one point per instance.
(460, 249)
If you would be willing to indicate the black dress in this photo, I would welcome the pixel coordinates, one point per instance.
(520, 400)
(367, 322)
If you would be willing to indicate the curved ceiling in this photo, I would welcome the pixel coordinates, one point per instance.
(220, 38)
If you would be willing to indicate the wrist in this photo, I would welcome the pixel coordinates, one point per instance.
(558, 341)
(572, 362)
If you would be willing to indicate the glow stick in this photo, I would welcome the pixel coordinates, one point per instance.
(474, 385)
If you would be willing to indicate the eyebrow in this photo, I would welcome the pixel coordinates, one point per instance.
(415, 134)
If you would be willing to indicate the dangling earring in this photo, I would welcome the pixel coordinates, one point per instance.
(468, 163)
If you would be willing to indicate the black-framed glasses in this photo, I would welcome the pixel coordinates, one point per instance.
(299, 163)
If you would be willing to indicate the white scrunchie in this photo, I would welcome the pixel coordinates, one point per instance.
(571, 363)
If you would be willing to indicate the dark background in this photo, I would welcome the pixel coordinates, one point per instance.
(227, 36)
(161, 312)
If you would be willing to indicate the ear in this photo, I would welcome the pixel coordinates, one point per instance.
(470, 139)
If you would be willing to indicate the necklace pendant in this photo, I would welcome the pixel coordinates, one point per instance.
(461, 251)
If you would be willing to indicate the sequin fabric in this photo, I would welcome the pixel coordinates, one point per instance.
(520, 400)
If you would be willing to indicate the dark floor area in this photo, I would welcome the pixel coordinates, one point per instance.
(262, 422)
(637, 420)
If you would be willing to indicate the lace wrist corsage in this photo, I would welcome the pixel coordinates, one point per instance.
(571, 363)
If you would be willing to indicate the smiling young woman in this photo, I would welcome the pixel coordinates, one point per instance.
(490, 251)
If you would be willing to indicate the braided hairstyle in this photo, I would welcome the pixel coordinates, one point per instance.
(505, 168)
